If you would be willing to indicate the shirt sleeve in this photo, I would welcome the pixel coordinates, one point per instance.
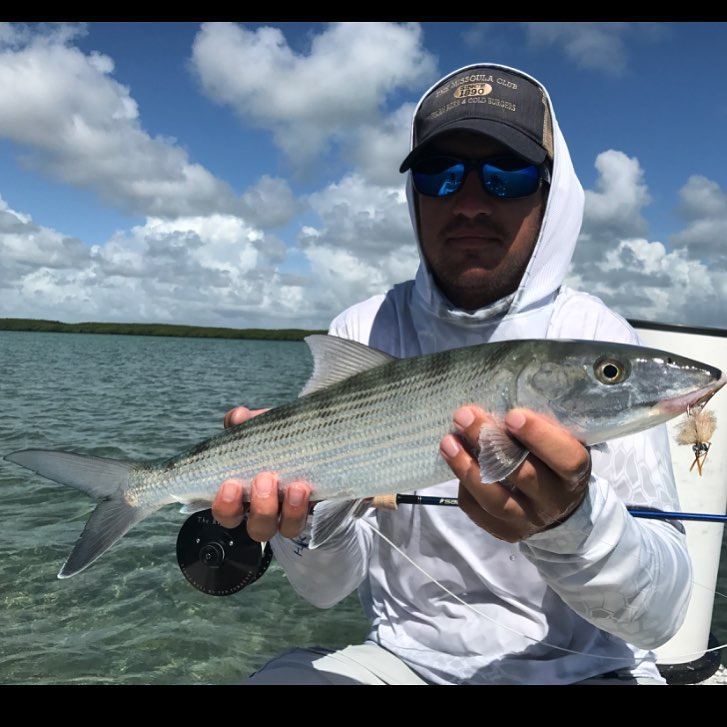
(326, 575)
(629, 576)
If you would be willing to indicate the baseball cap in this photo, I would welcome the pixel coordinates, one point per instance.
(500, 102)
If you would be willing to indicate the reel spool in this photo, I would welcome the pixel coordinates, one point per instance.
(218, 561)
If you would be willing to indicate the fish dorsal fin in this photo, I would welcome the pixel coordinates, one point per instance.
(336, 359)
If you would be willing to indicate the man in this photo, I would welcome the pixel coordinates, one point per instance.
(548, 579)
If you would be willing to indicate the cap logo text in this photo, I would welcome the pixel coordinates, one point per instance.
(472, 89)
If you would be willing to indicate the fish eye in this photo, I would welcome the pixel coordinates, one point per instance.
(610, 370)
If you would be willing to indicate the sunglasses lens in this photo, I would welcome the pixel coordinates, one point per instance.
(509, 178)
(438, 176)
(504, 177)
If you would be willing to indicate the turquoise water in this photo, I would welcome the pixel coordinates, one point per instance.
(132, 617)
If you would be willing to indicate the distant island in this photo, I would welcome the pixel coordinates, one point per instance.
(156, 329)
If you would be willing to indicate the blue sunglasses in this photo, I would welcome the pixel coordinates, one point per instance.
(506, 177)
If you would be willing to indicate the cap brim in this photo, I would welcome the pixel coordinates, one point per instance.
(512, 138)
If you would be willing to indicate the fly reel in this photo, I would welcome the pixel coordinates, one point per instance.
(219, 561)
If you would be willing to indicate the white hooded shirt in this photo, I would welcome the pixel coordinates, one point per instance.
(592, 595)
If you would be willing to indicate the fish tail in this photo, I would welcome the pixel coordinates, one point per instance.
(99, 477)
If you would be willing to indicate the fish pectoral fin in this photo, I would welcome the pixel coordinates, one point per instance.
(331, 516)
(500, 454)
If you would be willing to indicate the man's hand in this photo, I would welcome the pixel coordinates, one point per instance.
(545, 489)
(266, 514)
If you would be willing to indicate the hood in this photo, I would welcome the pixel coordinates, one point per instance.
(528, 309)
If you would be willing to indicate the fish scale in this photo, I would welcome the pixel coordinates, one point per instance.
(368, 424)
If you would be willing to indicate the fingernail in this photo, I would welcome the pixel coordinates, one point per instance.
(515, 420)
(449, 447)
(464, 417)
(295, 495)
(263, 487)
(229, 492)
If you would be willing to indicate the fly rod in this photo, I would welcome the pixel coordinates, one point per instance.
(390, 502)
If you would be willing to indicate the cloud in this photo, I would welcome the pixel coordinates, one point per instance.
(269, 203)
(380, 148)
(643, 279)
(204, 255)
(79, 126)
(613, 209)
(593, 45)
(703, 204)
(365, 244)
(313, 100)
(190, 270)
(479, 33)
(209, 256)
(24, 246)
(215, 269)
(44, 273)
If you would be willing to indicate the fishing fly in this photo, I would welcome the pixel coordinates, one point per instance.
(697, 430)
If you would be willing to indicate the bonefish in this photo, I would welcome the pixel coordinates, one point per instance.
(368, 424)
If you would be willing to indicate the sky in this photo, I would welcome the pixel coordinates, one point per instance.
(246, 174)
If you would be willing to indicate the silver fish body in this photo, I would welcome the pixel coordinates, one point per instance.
(369, 424)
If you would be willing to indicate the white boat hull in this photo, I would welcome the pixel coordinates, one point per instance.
(691, 653)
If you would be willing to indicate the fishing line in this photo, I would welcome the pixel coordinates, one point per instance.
(471, 607)
(452, 501)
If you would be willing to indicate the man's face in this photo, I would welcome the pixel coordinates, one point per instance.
(477, 246)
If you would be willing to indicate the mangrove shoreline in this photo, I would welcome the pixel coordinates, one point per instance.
(156, 329)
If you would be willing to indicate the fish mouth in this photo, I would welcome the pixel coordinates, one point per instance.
(693, 403)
